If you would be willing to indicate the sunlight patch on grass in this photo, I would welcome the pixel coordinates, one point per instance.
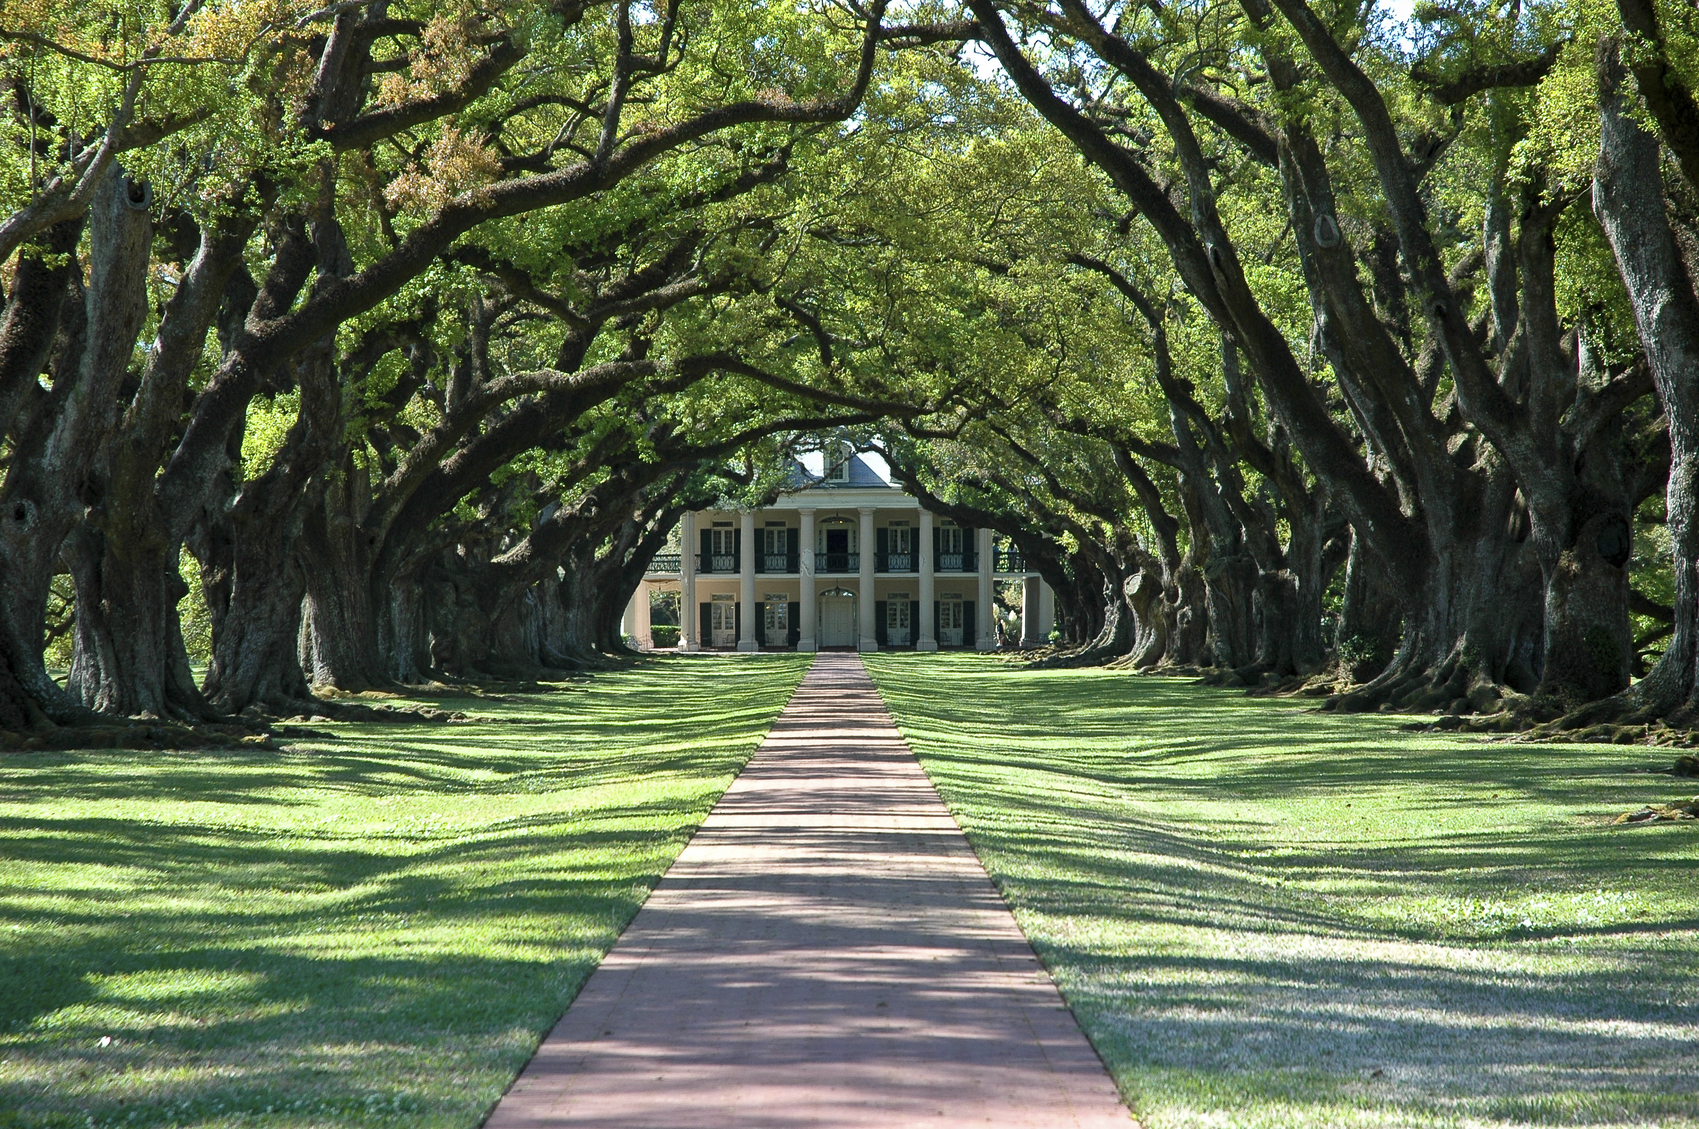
(1265, 916)
(373, 928)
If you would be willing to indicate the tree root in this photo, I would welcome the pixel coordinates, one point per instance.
(138, 733)
(1084, 656)
(1653, 813)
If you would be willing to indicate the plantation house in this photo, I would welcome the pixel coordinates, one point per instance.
(847, 560)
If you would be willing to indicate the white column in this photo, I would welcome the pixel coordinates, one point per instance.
(1031, 600)
(746, 583)
(635, 625)
(689, 618)
(982, 634)
(645, 628)
(923, 640)
(1046, 610)
(864, 598)
(805, 640)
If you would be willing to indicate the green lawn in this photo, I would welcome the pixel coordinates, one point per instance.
(372, 928)
(1269, 917)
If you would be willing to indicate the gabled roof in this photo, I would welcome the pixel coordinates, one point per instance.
(861, 476)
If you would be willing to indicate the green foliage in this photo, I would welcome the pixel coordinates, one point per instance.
(1361, 649)
(193, 613)
(268, 424)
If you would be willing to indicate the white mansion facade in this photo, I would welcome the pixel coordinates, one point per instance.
(846, 560)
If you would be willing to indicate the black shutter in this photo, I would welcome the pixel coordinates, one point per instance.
(707, 637)
(968, 623)
(882, 538)
(879, 633)
(706, 563)
(791, 541)
(937, 546)
(737, 621)
(937, 617)
(796, 624)
(914, 623)
(970, 559)
(761, 622)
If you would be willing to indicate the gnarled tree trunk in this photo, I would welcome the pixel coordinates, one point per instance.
(1628, 198)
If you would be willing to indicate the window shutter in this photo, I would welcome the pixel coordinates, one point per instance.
(706, 639)
(937, 546)
(968, 622)
(879, 612)
(937, 615)
(796, 626)
(970, 558)
(707, 549)
(882, 537)
(737, 619)
(761, 622)
(792, 540)
(914, 623)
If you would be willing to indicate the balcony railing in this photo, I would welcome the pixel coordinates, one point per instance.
(779, 564)
(837, 562)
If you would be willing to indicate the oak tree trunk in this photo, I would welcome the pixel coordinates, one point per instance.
(1628, 198)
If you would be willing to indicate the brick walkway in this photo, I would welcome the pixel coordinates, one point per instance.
(827, 951)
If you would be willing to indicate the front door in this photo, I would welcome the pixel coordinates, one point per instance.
(897, 621)
(837, 620)
(723, 624)
(777, 628)
(949, 623)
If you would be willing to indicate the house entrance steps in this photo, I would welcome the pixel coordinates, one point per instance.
(827, 951)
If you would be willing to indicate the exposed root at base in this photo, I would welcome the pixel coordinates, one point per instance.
(1662, 813)
(139, 733)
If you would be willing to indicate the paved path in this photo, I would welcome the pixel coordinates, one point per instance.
(827, 951)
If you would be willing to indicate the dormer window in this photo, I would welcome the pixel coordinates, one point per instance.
(839, 471)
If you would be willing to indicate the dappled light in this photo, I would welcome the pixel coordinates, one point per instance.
(825, 952)
(1272, 917)
(374, 928)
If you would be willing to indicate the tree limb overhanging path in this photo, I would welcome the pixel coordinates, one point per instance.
(827, 951)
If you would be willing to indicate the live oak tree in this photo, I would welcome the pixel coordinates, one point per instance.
(1277, 338)
(361, 143)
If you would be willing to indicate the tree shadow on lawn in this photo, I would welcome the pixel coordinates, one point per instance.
(457, 762)
(1245, 947)
(307, 1020)
(1207, 978)
(1118, 850)
(429, 1040)
(711, 717)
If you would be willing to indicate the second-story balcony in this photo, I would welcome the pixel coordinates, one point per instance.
(837, 562)
(665, 564)
(958, 562)
(767, 564)
(898, 562)
(1010, 560)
